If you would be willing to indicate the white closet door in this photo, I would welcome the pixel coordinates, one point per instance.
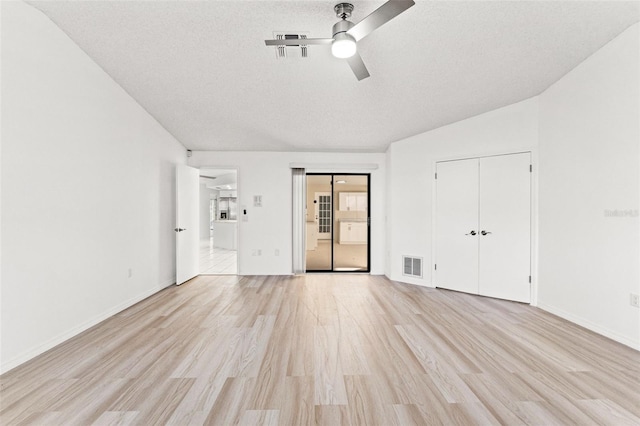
(504, 215)
(456, 221)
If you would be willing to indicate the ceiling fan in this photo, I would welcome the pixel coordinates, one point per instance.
(346, 33)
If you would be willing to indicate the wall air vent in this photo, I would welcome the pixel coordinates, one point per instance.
(298, 51)
(412, 266)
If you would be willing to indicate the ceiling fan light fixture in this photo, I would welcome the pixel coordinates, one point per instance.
(343, 46)
(346, 33)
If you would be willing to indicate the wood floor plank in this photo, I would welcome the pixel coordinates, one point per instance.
(326, 349)
(43, 418)
(605, 411)
(260, 418)
(353, 357)
(329, 377)
(472, 413)
(199, 400)
(332, 415)
(302, 343)
(298, 408)
(408, 414)
(116, 418)
(232, 401)
(560, 406)
(445, 378)
(253, 347)
(500, 405)
(158, 405)
(369, 404)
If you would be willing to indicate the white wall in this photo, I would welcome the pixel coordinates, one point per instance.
(411, 175)
(589, 151)
(269, 228)
(87, 191)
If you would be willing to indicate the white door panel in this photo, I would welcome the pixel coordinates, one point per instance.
(187, 226)
(490, 196)
(456, 217)
(504, 214)
(324, 218)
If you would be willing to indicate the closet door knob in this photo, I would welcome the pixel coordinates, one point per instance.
(471, 233)
(485, 232)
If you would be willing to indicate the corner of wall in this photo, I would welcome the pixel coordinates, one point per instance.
(110, 174)
(589, 170)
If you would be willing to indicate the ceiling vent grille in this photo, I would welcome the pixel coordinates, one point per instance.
(291, 52)
(412, 266)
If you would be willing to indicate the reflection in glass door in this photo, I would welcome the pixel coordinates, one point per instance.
(337, 231)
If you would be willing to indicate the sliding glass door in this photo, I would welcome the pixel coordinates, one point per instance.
(337, 223)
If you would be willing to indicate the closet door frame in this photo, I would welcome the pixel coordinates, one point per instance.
(534, 241)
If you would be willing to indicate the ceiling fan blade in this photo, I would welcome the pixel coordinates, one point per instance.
(298, 41)
(358, 67)
(379, 17)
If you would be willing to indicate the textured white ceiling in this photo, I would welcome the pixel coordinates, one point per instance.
(202, 70)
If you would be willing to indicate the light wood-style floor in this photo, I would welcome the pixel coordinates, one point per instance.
(349, 256)
(326, 349)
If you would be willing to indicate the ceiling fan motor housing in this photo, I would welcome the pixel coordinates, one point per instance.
(342, 27)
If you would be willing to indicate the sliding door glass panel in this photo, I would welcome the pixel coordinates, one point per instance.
(319, 223)
(351, 223)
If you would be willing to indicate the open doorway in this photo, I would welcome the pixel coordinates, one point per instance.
(218, 221)
(337, 223)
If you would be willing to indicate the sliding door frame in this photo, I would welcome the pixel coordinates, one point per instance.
(333, 221)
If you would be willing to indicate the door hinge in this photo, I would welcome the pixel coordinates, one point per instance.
(436, 176)
(435, 266)
(529, 279)
(530, 168)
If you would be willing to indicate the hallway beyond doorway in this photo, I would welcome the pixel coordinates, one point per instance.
(216, 260)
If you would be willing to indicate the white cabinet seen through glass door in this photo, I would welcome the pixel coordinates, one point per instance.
(353, 201)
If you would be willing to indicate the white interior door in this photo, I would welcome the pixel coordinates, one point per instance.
(457, 225)
(505, 227)
(323, 216)
(187, 203)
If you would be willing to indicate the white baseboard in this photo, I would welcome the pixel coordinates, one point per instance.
(33, 352)
(591, 326)
(413, 281)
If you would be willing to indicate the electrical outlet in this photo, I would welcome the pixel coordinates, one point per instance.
(634, 300)
(130, 272)
(276, 252)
